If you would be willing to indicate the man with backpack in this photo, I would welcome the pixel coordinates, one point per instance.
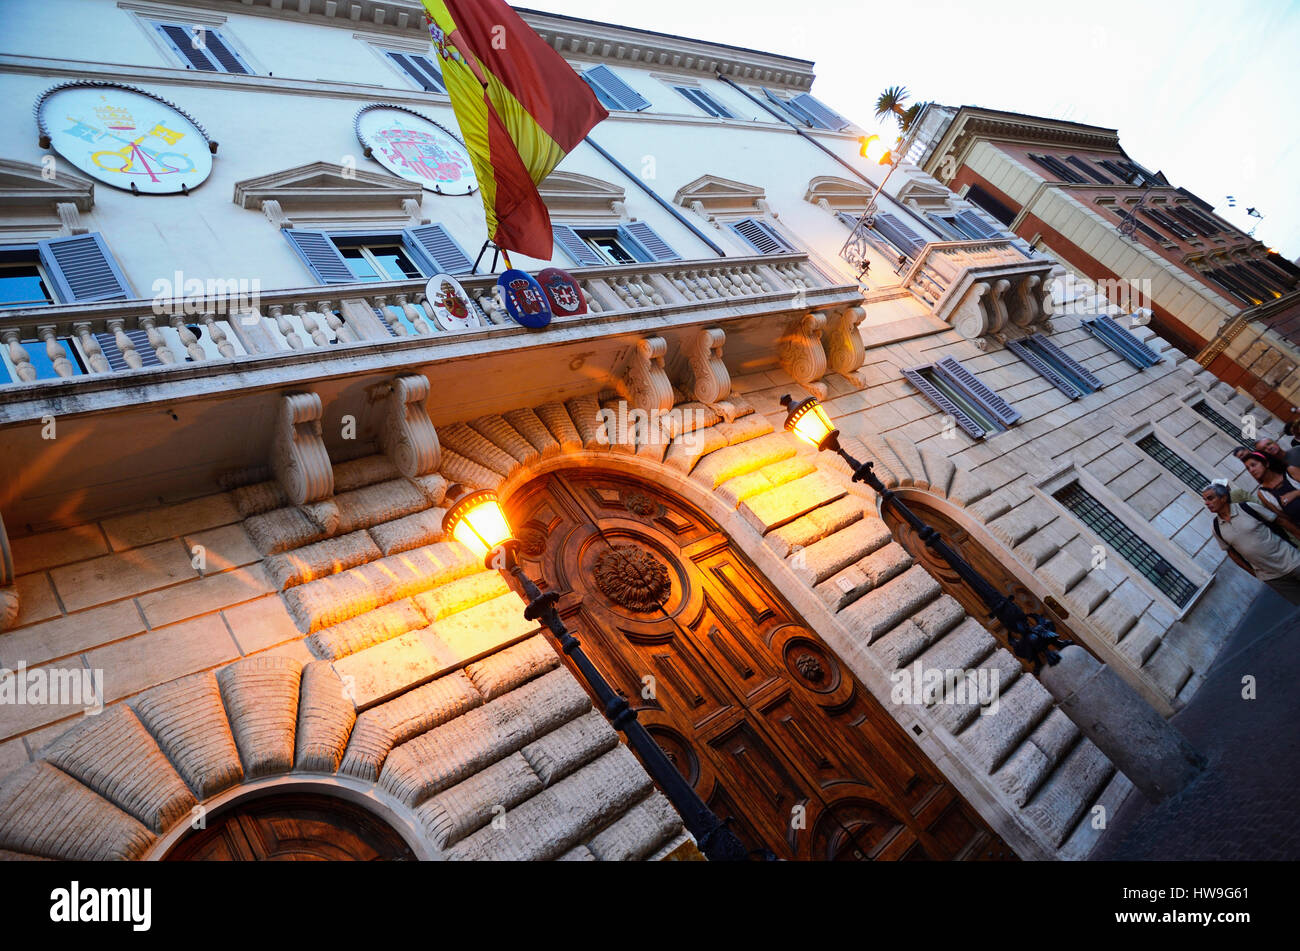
(1248, 534)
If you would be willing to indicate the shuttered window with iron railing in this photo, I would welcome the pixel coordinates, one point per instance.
(958, 393)
(1167, 223)
(1125, 542)
(631, 243)
(1222, 423)
(1128, 346)
(1054, 365)
(1173, 462)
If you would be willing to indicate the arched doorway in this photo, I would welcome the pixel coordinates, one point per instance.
(982, 560)
(770, 727)
(296, 827)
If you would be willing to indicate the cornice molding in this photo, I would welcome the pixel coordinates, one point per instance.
(23, 183)
(720, 195)
(567, 193)
(324, 184)
(970, 126)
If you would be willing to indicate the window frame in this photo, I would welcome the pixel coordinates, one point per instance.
(389, 52)
(189, 23)
(710, 106)
(944, 379)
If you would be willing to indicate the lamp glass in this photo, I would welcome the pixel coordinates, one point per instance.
(810, 423)
(874, 150)
(478, 522)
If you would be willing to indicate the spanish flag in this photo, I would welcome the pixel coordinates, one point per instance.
(520, 107)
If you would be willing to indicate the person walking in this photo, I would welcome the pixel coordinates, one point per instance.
(1247, 534)
(1274, 451)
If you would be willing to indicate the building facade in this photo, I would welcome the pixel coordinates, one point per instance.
(232, 419)
(1215, 292)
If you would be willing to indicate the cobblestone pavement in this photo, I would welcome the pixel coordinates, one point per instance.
(1246, 804)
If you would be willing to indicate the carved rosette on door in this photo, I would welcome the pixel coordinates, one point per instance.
(749, 703)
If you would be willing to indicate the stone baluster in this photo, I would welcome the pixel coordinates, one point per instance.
(683, 286)
(414, 314)
(125, 344)
(399, 328)
(148, 325)
(218, 336)
(309, 324)
(282, 323)
(91, 348)
(22, 360)
(54, 350)
(188, 340)
(341, 330)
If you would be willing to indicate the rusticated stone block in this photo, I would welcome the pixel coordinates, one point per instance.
(261, 698)
(188, 721)
(451, 815)
(516, 665)
(884, 608)
(44, 811)
(326, 715)
(320, 559)
(530, 427)
(368, 470)
(366, 630)
(638, 833)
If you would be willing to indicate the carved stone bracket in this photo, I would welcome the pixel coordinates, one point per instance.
(645, 384)
(971, 318)
(71, 218)
(1029, 302)
(997, 305)
(802, 355)
(712, 381)
(412, 209)
(8, 590)
(408, 437)
(847, 354)
(298, 456)
(275, 214)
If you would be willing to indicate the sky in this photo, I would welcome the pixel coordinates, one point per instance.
(1207, 91)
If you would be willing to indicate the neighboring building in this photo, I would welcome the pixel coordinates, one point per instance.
(1215, 292)
(230, 424)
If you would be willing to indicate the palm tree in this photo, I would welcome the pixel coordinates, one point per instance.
(910, 116)
(891, 101)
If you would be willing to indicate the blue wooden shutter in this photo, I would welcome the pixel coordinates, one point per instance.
(626, 97)
(899, 235)
(578, 250)
(824, 115)
(411, 64)
(761, 237)
(320, 254)
(113, 353)
(182, 40)
(795, 113)
(1072, 365)
(649, 239)
(1133, 350)
(969, 382)
(945, 405)
(223, 53)
(83, 269)
(978, 225)
(437, 248)
(849, 221)
(1042, 368)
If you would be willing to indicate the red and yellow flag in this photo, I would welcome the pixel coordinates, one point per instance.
(520, 107)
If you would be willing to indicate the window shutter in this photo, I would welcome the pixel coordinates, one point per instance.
(650, 240)
(945, 405)
(709, 101)
(798, 115)
(316, 248)
(899, 235)
(223, 54)
(578, 250)
(1115, 337)
(1086, 167)
(626, 97)
(1059, 355)
(113, 353)
(83, 269)
(761, 237)
(439, 250)
(978, 225)
(1042, 369)
(182, 41)
(825, 115)
(969, 382)
(427, 66)
(948, 226)
(409, 66)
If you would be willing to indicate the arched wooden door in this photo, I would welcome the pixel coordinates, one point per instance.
(982, 560)
(748, 702)
(293, 828)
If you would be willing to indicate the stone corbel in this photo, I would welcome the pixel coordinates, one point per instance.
(1029, 303)
(8, 590)
(712, 383)
(298, 457)
(996, 305)
(970, 318)
(70, 217)
(846, 352)
(412, 209)
(697, 206)
(765, 208)
(620, 210)
(645, 384)
(802, 355)
(408, 437)
(825, 205)
(271, 208)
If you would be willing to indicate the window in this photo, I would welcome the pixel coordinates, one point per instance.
(1057, 169)
(633, 243)
(762, 237)
(202, 47)
(1087, 169)
(355, 257)
(23, 283)
(967, 224)
(1051, 363)
(421, 69)
(958, 393)
(804, 110)
(1167, 223)
(1115, 337)
(997, 210)
(1221, 422)
(1126, 172)
(1124, 541)
(1175, 463)
(612, 92)
(705, 101)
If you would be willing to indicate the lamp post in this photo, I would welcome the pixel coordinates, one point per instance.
(1033, 638)
(478, 522)
(854, 250)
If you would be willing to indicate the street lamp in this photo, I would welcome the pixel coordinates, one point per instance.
(478, 522)
(1033, 637)
(855, 248)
